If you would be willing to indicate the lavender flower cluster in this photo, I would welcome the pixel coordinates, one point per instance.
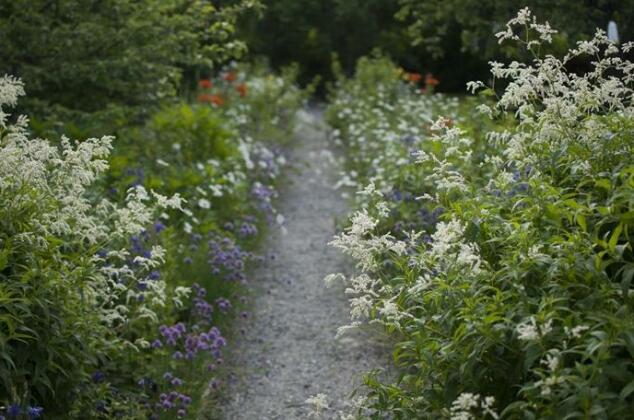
(14, 411)
(227, 259)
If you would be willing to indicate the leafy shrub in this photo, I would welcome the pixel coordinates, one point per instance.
(113, 307)
(508, 290)
(98, 63)
(67, 279)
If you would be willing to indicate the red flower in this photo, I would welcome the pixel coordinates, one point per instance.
(205, 84)
(231, 76)
(242, 89)
(217, 100)
(430, 80)
(204, 98)
(414, 77)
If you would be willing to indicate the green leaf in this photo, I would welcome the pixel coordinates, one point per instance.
(627, 390)
(616, 234)
(603, 183)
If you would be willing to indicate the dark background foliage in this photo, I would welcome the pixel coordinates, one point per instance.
(453, 39)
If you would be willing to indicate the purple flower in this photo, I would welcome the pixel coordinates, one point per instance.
(168, 376)
(98, 377)
(214, 384)
(177, 355)
(181, 413)
(155, 275)
(200, 291)
(157, 344)
(13, 411)
(223, 304)
(102, 253)
(159, 227)
(100, 406)
(177, 382)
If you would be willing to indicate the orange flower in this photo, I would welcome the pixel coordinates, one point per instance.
(430, 80)
(205, 84)
(217, 100)
(204, 98)
(414, 77)
(242, 89)
(231, 76)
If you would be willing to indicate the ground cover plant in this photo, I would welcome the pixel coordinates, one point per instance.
(495, 246)
(122, 259)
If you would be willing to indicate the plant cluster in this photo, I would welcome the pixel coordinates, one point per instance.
(121, 262)
(92, 65)
(493, 243)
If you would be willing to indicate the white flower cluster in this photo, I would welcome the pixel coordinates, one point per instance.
(318, 404)
(528, 330)
(469, 406)
(53, 183)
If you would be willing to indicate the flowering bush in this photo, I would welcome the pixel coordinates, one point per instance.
(70, 288)
(115, 297)
(502, 262)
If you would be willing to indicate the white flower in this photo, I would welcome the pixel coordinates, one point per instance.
(473, 86)
(552, 361)
(216, 190)
(187, 228)
(576, 331)
(468, 405)
(173, 202)
(331, 279)
(528, 330)
(203, 203)
(318, 403)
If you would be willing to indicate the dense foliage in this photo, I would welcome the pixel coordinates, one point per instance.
(310, 32)
(114, 296)
(111, 60)
(501, 262)
(451, 38)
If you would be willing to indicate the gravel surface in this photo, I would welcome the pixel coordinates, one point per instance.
(288, 352)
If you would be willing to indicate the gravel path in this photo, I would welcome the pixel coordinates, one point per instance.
(288, 351)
